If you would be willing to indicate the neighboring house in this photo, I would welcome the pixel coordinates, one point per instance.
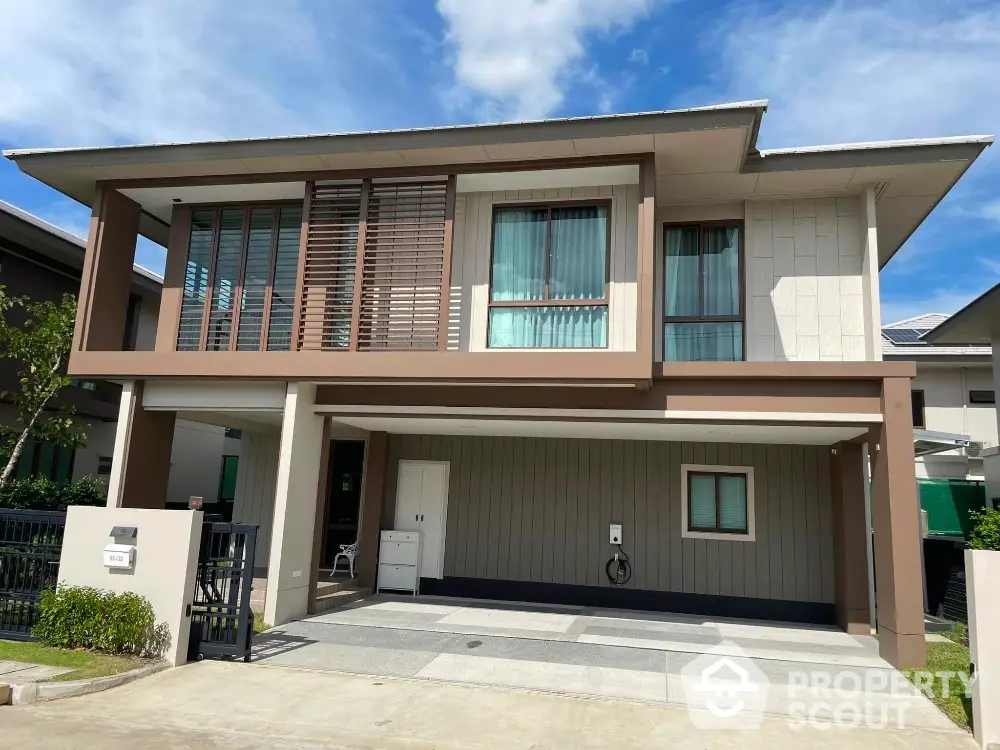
(978, 325)
(510, 338)
(43, 262)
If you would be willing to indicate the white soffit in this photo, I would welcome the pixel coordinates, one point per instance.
(711, 433)
(627, 174)
(194, 395)
(160, 201)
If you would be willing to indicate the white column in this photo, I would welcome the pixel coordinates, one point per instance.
(295, 495)
(982, 569)
(869, 279)
(126, 408)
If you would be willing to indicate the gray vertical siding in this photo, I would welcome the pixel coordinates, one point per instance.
(538, 509)
(256, 480)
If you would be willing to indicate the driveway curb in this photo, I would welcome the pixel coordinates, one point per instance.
(42, 692)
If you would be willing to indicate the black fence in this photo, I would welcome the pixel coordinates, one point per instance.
(221, 621)
(30, 547)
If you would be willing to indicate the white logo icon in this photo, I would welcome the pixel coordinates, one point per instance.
(724, 689)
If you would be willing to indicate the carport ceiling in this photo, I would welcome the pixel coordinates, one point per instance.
(662, 431)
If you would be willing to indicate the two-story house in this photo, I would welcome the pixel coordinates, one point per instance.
(512, 337)
(43, 262)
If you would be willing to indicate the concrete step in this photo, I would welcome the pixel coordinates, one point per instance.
(330, 585)
(326, 602)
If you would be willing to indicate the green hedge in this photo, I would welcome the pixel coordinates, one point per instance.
(85, 617)
(41, 493)
(985, 529)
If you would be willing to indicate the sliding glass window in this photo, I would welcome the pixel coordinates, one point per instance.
(549, 277)
(703, 309)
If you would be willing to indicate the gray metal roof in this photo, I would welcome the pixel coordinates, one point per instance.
(759, 104)
(69, 237)
(925, 323)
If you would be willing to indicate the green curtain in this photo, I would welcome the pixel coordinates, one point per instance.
(681, 285)
(703, 342)
(733, 503)
(518, 271)
(702, 501)
(549, 327)
(578, 264)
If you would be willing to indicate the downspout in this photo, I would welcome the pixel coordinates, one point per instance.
(870, 541)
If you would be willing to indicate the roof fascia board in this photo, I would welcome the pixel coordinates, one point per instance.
(846, 158)
(353, 143)
(975, 314)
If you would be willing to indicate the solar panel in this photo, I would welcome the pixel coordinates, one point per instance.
(903, 335)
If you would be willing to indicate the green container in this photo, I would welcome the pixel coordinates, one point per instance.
(948, 503)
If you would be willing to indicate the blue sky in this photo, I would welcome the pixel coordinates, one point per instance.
(100, 72)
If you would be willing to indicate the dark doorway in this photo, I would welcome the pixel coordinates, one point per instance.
(347, 468)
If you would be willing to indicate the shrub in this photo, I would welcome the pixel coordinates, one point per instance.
(41, 493)
(985, 529)
(85, 617)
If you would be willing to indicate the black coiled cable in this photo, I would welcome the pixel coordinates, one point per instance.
(619, 569)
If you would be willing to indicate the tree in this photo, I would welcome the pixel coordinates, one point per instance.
(39, 347)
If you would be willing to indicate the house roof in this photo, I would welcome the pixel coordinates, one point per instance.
(978, 323)
(55, 243)
(906, 339)
(703, 154)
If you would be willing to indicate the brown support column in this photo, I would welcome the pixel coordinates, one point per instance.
(173, 280)
(895, 511)
(376, 469)
(850, 550)
(107, 272)
(147, 438)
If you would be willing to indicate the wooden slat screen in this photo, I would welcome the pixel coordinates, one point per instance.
(238, 290)
(404, 257)
(329, 269)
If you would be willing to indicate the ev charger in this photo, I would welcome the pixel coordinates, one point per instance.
(616, 533)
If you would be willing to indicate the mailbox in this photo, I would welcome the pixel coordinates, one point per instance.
(120, 556)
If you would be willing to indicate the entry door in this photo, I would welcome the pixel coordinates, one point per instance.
(421, 505)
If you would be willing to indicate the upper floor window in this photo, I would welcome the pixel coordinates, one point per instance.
(917, 404)
(239, 281)
(549, 276)
(702, 293)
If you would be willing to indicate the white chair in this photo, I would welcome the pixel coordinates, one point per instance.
(349, 551)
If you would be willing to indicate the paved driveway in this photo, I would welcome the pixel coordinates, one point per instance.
(231, 705)
(795, 671)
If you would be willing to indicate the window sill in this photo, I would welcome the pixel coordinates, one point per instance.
(749, 537)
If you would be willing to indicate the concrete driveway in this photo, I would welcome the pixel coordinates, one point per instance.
(233, 705)
(794, 672)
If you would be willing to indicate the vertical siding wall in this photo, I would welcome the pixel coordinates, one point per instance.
(537, 509)
(255, 484)
(470, 270)
(805, 289)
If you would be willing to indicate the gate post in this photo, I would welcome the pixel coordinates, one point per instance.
(166, 558)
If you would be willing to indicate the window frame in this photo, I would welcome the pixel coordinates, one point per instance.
(980, 400)
(701, 226)
(923, 408)
(546, 301)
(689, 470)
(247, 208)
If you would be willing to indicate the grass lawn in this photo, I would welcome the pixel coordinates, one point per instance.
(952, 657)
(85, 664)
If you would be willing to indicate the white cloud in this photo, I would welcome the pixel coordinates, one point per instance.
(992, 265)
(863, 71)
(514, 59)
(939, 300)
(989, 211)
(640, 56)
(104, 71)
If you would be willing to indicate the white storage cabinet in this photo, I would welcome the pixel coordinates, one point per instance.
(399, 561)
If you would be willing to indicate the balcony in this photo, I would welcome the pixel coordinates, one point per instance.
(392, 278)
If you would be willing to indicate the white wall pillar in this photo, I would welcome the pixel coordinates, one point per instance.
(290, 561)
(869, 278)
(126, 409)
(982, 569)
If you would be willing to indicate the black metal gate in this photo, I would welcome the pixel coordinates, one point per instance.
(221, 621)
(30, 546)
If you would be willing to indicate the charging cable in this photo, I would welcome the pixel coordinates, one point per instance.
(619, 569)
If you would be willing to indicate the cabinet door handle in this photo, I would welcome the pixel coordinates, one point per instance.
(421, 518)
(416, 517)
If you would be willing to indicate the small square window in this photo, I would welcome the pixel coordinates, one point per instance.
(717, 502)
(982, 397)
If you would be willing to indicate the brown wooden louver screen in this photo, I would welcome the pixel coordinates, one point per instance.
(404, 228)
(239, 282)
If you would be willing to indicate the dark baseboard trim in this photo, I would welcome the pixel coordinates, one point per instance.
(623, 598)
